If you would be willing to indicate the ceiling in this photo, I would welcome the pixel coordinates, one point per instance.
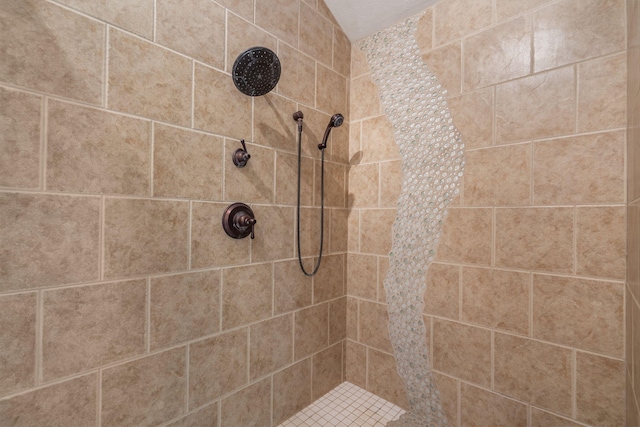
(360, 18)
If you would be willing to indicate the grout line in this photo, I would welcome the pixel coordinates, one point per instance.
(532, 177)
(253, 16)
(297, 46)
(223, 191)
(193, 93)
(220, 301)
(154, 30)
(226, 39)
(101, 240)
(576, 91)
(189, 235)
(271, 399)
(293, 337)
(532, 45)
(42, 140)
(530, 317)
(99, 399)
(574, 384)
(105, 68)
(39, 356)
(187, 365)
(493, 361)
(274, 177)
(311, 375)
(574, 258)
(328, 343)
(625, 344)
(248, 355)
(459, 402)
(148, 316)
(494, 13)
(460, 291)
(273, 289)
(494, 126)
(494, 235)
(358, 320)
(44, 134)
(152, 147)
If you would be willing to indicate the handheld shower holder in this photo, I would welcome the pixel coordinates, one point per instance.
(241, 156)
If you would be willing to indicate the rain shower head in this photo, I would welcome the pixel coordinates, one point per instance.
(256, 71)
(336, 120)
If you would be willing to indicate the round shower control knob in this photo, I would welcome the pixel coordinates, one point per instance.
(238, 221)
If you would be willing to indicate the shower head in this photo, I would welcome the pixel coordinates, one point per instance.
(256, 71)
(336, 120)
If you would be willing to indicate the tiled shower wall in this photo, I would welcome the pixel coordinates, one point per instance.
(122, 301)
(525, 301)
(632, 313)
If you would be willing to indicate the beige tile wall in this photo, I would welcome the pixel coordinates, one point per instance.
(122, 302)
(525, 302)
(632, 292)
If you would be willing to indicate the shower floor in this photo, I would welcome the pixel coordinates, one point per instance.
(346, 405)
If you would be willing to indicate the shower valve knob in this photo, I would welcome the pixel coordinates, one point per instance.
(238, 221)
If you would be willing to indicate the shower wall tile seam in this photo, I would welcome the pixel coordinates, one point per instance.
(494, 240)
(99, 399)
(24, 89)
(193, 95)
(604, 279)
(225, 267)
(574, 384)
(147, 320)
(77, 12)
(568, 135)
(16, 190)
(511, 398)
(154, 28)
(576, 100)
(46, 385)
(157, 44)
(44, 135)
(42, 152)
(152, 141)
(492, 369)
(105, 68)
(523, 336)
(530, 317)
(39, 336)
(538, 73)
(110, 365)
(161, 350)
(498, 146)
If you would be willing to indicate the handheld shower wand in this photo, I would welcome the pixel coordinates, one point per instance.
(336, 121)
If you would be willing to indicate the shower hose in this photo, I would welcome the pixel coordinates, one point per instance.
(317, 266)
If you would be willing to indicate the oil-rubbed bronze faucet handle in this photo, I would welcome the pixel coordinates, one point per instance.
(247, 221)
(239, 221)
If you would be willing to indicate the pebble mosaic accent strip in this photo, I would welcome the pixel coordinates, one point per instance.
(432, 154)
